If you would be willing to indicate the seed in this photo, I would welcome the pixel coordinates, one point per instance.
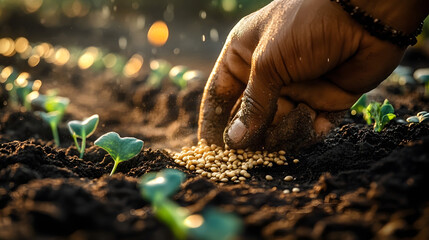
(296, 160)
(269, 177)
(288, 178)
(240, 151)
(295, 189)
(286, 191)
(224, 180)
(242, 178)
(282, 152)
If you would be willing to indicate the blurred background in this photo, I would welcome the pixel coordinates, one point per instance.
(192, 31)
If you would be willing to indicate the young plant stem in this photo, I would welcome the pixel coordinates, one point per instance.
(55, 133)
(114, 167)
(75, 142)
(82, 148)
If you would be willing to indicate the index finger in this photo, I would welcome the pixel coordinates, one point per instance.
(224, 87)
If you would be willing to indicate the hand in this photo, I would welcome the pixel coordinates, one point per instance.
(286, 70)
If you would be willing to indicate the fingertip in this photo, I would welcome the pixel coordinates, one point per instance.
(235, 133)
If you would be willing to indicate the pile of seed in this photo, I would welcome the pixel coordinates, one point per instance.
(219, 164)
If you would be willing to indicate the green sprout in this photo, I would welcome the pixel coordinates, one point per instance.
(53, 119)
(359, 106)
(211, 225)
(82, 130)
(381, 114)
(422, 76)
(159, 70)
(176, 76)
(157, 188)
(120, 149)
(421, 117)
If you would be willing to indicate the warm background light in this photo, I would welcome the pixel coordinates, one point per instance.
(158, 34)
(62, 56)
(133, 66)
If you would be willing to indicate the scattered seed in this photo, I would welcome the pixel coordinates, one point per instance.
(296, 160)
(286, 191)
(225, 164)
(295, 189)
(269, 177)
(288, 178)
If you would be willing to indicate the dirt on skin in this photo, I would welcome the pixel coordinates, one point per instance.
(354, 184)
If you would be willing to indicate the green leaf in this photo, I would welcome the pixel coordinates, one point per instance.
(56, 103)
(120, 149)
(51, 117)
(85, 128)
(360, 104)
(386, 118)
(386, 108)
(217, 225)
(161, 185)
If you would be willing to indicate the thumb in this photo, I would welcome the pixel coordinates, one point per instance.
(256, 113)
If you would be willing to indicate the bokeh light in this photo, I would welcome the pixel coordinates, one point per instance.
(109, 60)
(5, 73)
(21, 45)
(133, 65)
(88, 58)
(158, 34)
(22, 79)
(33, 60)
(7, 47)
(229, 5)
(62, 56)
(32, 5)
(36, 85)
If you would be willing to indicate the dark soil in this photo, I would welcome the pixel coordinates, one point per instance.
(355, 184)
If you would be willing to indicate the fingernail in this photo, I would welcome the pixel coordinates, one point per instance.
(236, 131)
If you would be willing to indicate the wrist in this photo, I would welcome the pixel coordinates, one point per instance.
(403, 15)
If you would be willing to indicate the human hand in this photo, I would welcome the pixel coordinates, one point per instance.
(285, 71)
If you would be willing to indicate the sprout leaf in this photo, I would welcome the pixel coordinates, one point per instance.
(161, 185)
(120, 149)
(83, 129)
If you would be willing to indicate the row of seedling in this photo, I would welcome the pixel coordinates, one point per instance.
(51, 108)
(179, 75)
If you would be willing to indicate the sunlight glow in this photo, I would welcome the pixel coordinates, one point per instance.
(158, 34)
(133, 65)
(62, 56)
(21, 44)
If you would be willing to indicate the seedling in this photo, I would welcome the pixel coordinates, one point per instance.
(176, 76)
(381, 114)
(157, 188)
(359, 105)
(160, 69)
(82, 130)
(421, 117)
(422, 75)
(53, 119)
(120, 149)
(211, 225)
